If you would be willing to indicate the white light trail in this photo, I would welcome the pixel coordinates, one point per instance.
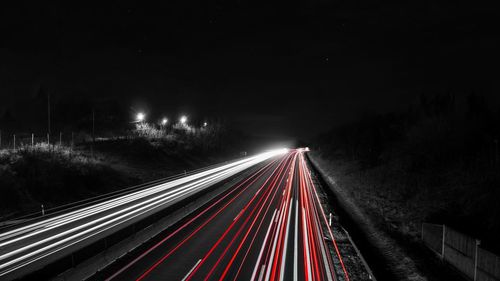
(38, 243)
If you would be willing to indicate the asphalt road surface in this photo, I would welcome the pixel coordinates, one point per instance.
(269, 226)
(32, 246)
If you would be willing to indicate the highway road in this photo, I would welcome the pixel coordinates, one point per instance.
(34, 245)
(269, 226)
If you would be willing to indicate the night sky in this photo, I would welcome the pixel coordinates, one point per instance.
(290, 69)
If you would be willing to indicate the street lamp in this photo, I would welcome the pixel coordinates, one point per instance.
(183, 119)
(164, 121)
(140, 117)
(205, 124)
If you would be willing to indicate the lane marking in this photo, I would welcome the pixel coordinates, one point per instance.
(296, 239)
(286, 241)
(239, 214)
(258, 191)
(306, 246)
(189, 273)
(262, 272)
(273, 248)
(263, 246)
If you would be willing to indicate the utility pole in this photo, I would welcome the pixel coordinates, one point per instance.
(93, 133)
(48, 113)
(93, 126)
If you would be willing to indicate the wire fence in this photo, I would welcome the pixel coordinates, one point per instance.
(68, 139)
(15, 141)
(461, 252)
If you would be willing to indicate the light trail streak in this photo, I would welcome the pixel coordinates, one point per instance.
(39, 243)
(269, 226)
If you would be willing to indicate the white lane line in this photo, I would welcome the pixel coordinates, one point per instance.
(306, 239)
(258, 191)
(263, 246)
(295, 244)
(195, 265)
(286, 242)
(239, 214)
(273, 249)
(262, 272)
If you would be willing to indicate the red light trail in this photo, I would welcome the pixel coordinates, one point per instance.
(270, 226)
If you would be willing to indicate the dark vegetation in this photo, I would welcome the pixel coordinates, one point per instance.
(96, 147)
(55, 174)
(52, 176)
(436, 162)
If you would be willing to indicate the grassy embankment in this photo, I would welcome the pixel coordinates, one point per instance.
(56, 175)
(438, 162)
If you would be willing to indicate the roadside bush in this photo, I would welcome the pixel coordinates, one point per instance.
(50, 175)
(437, 162)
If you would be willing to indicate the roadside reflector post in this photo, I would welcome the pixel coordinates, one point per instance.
(330, 219)
(43, 211)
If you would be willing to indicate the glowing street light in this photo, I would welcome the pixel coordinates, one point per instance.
(140, 117)
(164, 121)
(205, 124)
(183, 119)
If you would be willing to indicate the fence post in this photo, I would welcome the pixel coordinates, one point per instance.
(478, 242)
(14, 141)
(32, 140)
(443, 242)
(48, 138)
